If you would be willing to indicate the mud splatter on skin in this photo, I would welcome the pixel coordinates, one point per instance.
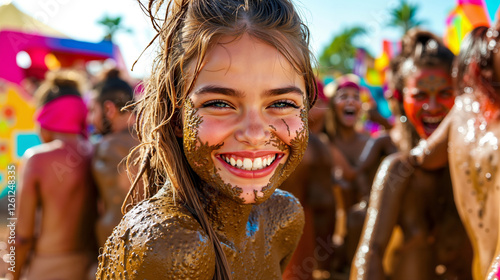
(196, 153)
(297, 148)
(287, 127)
(162, 230)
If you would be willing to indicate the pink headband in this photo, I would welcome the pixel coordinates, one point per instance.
(348, 84)
(66, 114)
(321, 92)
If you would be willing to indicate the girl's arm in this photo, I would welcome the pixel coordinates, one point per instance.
(382, 215)
(340, 164)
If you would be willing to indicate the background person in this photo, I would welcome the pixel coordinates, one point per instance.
(55, 183)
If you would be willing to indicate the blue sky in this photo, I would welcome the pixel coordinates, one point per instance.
(325, 18)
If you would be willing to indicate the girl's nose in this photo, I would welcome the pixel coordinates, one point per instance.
(253, 130)
(433, 106)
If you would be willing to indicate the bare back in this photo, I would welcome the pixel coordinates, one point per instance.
(473, 158)
(58, 184)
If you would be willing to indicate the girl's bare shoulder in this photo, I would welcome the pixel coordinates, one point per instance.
(158, 239)
(283, 211)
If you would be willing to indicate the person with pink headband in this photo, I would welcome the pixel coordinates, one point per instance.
(55, 182)
(348, 145)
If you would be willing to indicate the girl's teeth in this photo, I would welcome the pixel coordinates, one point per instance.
(257, 164)
(248, 164)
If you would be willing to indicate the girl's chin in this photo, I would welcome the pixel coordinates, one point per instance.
(250, 194)
(251, 197)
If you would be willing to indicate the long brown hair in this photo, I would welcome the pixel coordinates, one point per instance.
(187, 29)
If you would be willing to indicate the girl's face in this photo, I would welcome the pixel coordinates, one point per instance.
(245, 120)
(347, 106)
(427, 98)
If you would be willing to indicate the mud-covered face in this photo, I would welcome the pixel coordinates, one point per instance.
(245, 120)
(347, 103)
(427, 98)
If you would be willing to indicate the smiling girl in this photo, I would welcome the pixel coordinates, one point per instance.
(223, 123)
(420, 202)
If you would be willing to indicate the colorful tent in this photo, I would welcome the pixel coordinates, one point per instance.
(373, 70)
(22, 36)
(467, 15)
(11, 18)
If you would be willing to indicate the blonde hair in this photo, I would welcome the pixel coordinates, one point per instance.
(186, 32)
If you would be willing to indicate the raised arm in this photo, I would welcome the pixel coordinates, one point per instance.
(382, 215)
(340, 164)
(374, 150)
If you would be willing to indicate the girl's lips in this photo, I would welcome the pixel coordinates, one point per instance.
(259, 173)
(431, 123)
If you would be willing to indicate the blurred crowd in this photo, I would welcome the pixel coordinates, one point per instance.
(72, 186)
(398, 204)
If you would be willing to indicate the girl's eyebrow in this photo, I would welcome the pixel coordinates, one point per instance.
(285, 90)
(237, 93)
(220, 90)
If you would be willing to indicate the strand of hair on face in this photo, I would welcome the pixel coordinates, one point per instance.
(194, 205)
(145, 164)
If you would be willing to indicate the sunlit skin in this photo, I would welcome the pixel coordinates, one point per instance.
(248, 102)
(55, 182)
(420, 202)
(491, 115)
(428, 97)
(243, 113)
(468, 140)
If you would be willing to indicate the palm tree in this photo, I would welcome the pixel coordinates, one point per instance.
(404, 16)
(112, 25)
(339, 55)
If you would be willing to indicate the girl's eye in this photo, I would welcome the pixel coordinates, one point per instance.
(446, 94)
(420, 96)
(283, 104)
(217, 104)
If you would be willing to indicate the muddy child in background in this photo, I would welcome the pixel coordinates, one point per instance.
(118, 138)
(311, 183)
(347, 145)
(421, 202)
(223, 122)
(467, 140)
(55, 180)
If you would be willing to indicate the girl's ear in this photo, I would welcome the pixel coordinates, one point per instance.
(177, 125)
(110, 110)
